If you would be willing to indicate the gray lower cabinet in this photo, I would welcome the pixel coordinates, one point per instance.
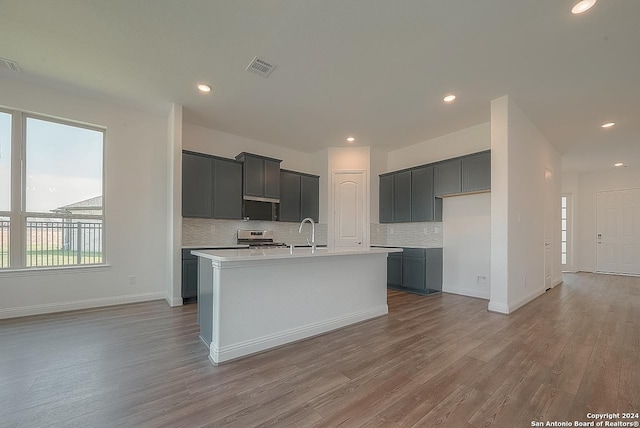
(476, 172)
(189, 277)
(448, 177)
(299, 196)
(417, 270)
(211, 187)
(394, 270)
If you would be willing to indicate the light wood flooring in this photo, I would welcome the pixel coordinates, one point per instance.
(434, 361)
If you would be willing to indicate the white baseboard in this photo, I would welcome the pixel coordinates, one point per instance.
(469, 292)
(48, 308)
(557, 282)
(500, 308)
(174, 301)
(520, 303)
(237, 350)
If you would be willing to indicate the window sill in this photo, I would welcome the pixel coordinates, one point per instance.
(35, 271)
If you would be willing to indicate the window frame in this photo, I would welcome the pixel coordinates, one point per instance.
(18, 214)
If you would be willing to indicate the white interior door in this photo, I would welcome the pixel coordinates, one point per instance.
(618, 231)
(349, 209)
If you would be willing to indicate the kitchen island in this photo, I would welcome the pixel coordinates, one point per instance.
(250, 300)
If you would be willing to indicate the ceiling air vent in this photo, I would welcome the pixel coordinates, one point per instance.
(11, 65)
(260, 67)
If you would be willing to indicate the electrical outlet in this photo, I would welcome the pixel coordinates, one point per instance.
(132, 279)
(391, 231)
(425, 230)
(436, 230)
(482, 279)
(525, 280)
(213, 229)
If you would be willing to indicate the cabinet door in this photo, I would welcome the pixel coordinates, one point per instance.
(310, 197)
(448, 177)
(197, 185)
(189, 279)
(394, 270)
(476, 172)
(402, 197)
(227, 193)
(414, 271)
(253, 176)
(422, 198)
(434, 269)
(289, 197)
(386, 199)
(271, 179)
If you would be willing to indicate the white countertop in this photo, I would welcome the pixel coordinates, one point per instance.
(407, 246)
(285, 253)
(212, 247)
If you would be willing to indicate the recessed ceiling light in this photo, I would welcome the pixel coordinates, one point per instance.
(204, 88)
(449, 98)
(618, 164)
(583, 6)
(351, 139)
(608, 124)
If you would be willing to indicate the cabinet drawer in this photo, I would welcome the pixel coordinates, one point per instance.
(414, 252)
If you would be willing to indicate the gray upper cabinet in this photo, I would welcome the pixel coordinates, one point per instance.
(310, 197)
(402, 197)
(422, 196)
(197, 185)
(289, 196)
(261, 176)
(211, 187)
(476, 172)
(299, 196)
(448, 177)
(386, 199)
(271, 179)
(227, 189)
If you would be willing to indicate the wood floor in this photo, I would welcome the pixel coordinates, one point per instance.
(436, 361)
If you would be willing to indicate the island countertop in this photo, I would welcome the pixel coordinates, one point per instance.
(286, 253)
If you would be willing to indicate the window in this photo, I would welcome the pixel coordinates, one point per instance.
(56, 218)
(565, 218)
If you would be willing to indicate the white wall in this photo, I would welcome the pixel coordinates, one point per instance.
(211, 141)
(467, 245)
(585, 208)
(174, 206)
(520, 157)
(135, 208)
(466, 141)
(379, 165)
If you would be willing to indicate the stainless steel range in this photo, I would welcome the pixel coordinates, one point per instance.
(258, 239)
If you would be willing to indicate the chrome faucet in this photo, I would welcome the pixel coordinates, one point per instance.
(313, 232)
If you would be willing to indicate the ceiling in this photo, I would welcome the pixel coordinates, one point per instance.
(376, 69)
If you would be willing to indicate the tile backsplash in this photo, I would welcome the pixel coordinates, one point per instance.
(202, 231)
(407, 234)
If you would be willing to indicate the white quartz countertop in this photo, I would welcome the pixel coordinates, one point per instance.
(407, 246)
(212, 247)
(286, 253)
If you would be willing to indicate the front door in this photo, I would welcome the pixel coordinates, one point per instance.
(349, 209)
(618, 231)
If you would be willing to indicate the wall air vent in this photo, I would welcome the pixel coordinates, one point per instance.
(261, 67)
(11, 65)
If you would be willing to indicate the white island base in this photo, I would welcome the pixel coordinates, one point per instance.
(253, 300)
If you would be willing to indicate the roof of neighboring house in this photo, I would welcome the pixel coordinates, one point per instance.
(87, 204)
